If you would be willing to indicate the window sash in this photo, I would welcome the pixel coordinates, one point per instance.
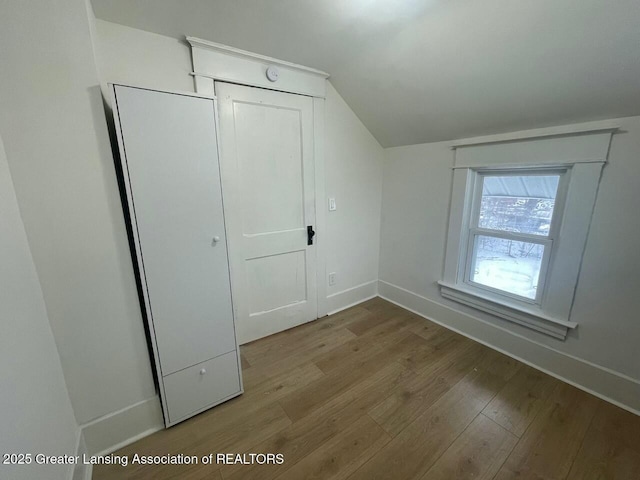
(556, 220)
(506, 235)
(473, 231)
(546, 243)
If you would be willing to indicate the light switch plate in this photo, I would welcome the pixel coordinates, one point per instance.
(332, 204)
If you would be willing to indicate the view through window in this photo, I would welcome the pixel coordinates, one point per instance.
(512, 234)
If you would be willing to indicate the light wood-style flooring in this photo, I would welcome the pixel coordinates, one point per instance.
(376, 392)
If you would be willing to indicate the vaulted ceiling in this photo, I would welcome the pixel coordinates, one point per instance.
(419, 71)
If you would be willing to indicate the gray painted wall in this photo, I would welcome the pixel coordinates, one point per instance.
(35, 411)
(53, 124)
(416, 197)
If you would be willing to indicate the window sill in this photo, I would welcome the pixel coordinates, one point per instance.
(529, 317)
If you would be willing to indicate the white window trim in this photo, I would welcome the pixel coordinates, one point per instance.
(581, 157)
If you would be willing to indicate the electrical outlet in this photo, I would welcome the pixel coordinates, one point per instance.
(332, 278)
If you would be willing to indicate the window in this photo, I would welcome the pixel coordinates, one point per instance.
(511, 232)
(518, 225)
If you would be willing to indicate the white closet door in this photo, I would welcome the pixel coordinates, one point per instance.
(172, 162)
(268, 178)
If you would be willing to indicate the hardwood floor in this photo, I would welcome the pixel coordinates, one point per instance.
(376, 392)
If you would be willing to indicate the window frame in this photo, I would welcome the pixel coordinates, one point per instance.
(473, 229)
(582, 156)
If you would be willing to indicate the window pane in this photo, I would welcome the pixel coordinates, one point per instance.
(518, 203)
(507, 265)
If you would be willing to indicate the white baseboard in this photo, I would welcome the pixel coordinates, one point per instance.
(600, 381)
(81, 471)
(118, 429)
(336, 302)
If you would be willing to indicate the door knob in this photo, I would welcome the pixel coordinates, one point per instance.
(310, 234)
(216, 239)
(203, 371)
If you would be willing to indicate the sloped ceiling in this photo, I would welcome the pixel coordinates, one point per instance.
(419, 71)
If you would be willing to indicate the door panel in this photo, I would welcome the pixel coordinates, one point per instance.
(171, 158)
(268, 179)
(269, 154)
(268, 292)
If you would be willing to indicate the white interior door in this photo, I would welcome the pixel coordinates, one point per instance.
(268, 182)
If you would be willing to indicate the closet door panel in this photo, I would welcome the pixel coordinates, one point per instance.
(172, 165)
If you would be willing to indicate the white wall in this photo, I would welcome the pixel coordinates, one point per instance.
(416, 197)
(35, 411)
(353, 170)
(353, 158)
(53, 124)
(135, 57)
